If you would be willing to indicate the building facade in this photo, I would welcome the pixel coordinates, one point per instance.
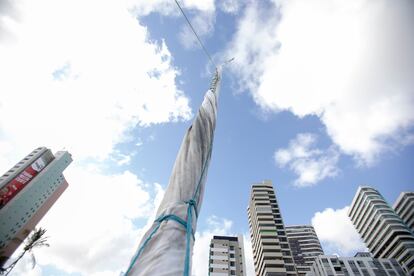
(271, 252)
(305, 246)
(404, 207)
(27, 192)
(360, 265)
(226, 256)
(383, 231)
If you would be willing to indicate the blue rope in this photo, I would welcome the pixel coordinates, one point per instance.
(142, 248)
(203, 171)
(159, 220)
(172, 217)
(175, 218)
(189, 229)
(193, 203)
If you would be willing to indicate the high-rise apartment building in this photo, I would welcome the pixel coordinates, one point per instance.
(27, 191)
(404, 207)
(360, 265)
(383, 231)
(305, 246)
(227, 256)
(271, 252)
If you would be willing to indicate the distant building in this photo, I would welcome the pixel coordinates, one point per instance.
(305, 246)
(271, 251)
(404, 207)
(383, 231)
(27, 191)
(360, 265)
(227, 256)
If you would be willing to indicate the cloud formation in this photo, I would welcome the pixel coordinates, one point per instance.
(203, 23)
(230, 6)
(336, 232)
(83, 84)
(83, 78)
(310, 164)
(348, 62)
(167, 7)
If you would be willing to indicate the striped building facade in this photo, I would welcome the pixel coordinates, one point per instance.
(404, 207)
(383, 231)
(361, 265)
(271, 252)
(227, 256)
(305, 246)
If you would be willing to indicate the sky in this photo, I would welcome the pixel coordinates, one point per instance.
(319, 99)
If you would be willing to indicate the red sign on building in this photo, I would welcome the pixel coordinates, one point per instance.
(15, 185)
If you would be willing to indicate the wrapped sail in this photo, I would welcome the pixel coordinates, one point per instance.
(166, 248)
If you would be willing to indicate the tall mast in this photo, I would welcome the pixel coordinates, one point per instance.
(166, 248)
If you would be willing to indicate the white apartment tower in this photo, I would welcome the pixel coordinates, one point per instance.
(227, 256)
(27, 192)
(271, 252)
(361, 265)
(404, 207)
(383, 231)
(305, 246)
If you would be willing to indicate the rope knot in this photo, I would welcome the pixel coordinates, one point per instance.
(192, 203)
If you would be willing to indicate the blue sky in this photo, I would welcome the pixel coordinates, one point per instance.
(319, 100)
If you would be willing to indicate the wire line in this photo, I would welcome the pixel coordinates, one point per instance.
(195, 33)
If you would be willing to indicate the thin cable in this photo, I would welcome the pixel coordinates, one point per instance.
(195, 33)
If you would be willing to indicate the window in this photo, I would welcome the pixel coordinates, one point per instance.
(290, 268)
(387, 265)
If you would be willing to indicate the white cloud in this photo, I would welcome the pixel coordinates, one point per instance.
(203, 5)
(168, 7)
(25, 267)
(310, 164)
(122, 159)
(83, 81)
(230, 6)
(336, 232)
(201, 14)
(7, 13)
(203, 23)
(248, 251)
(139, 143)
(349, 62)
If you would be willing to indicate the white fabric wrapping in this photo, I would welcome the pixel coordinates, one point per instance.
(165, 252)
